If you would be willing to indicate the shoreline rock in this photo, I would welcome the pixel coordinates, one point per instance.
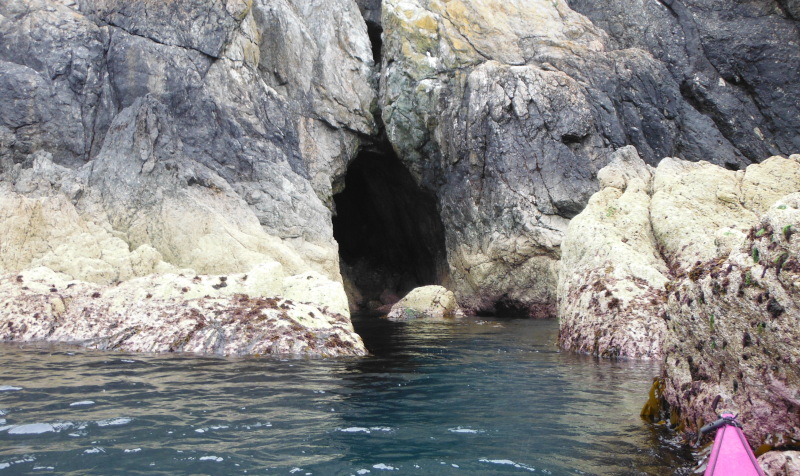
(612, 276)
(220, 315)
(718, 252)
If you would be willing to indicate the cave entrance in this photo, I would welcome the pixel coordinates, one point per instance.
(390, 233)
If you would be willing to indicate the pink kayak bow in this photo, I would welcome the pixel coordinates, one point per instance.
(731, 454)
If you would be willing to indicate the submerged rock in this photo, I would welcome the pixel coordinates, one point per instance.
(711, 282)
(178, 313)
(426, 302)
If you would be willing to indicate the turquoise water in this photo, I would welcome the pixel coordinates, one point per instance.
(467, 397)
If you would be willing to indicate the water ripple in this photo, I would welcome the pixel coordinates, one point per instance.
(468, 397)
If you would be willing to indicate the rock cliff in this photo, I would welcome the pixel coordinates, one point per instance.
(213, 137)
(697, 265)
(507, 110)
(154, 137)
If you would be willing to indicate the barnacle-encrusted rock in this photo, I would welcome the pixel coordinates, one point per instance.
(612, 279)
(157, 138)
(702, 267)
(239, 314)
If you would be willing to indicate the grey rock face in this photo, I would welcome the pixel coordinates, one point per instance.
(735, 62)
(189, 132)
(51, 83)
(508, 124)
(218, 107)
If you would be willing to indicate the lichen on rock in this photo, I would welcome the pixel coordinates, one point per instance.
(612, 277)
(716, 254)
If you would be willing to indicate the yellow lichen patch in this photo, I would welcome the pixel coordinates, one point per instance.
(427, 22)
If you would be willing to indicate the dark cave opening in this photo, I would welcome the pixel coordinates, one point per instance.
(390, 233)
(507, 308)
(374, 30)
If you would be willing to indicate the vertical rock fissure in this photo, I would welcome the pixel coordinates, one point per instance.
(390, 233)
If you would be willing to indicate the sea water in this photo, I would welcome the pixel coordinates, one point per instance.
(474, 396)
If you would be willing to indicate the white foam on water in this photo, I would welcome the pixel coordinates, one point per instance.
(211, 458)
(133, 450)
(94, 450)
(361, 429)
(257, 425)
(9, 388)
(128, 361)
(27, 459)
(363, 471)
(507, 462)
(384, 467)
(44, 468)
(32, 429)
(354, 429)
(465, 430)
(81, 403)
(114, 421)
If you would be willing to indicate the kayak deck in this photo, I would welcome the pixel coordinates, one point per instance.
(731, 455)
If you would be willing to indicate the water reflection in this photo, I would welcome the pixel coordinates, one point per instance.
(459, 397)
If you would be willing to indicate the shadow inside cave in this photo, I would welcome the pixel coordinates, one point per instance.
(390, 233)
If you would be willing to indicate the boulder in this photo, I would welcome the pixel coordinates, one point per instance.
(611, 284)
(732, 331)
(426, 302)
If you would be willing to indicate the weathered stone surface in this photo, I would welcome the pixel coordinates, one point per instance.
(733, 329)
(734, 61)
(434, 302)
(224, 315)
(612, 278)
(506, 111)
(725, 268)
(154, 137)
(780, 463)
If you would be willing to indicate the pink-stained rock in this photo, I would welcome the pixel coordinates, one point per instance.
(733, 332)
(612, 279)
(700, 266)
(169, 313)
(780, 463)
